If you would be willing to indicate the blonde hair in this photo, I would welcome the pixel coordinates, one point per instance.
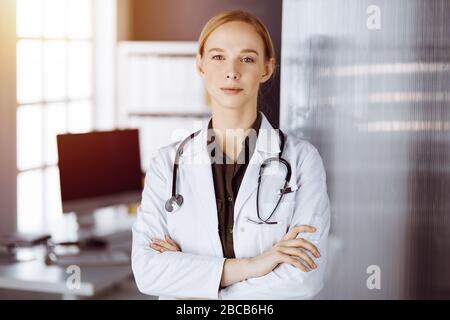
(237, 15)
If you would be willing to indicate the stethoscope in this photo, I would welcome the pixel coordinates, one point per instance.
(176, 200)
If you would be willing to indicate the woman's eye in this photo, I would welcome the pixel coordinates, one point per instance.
(248, 59)
(217, 57)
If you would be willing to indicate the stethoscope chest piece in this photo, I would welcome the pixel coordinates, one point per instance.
(174, 203)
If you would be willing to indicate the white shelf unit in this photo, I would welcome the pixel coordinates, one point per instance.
(159, 92)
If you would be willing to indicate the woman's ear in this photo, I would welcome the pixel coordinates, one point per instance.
(269, 67)
(199, 65)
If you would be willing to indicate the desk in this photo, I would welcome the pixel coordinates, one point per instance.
(35, 275)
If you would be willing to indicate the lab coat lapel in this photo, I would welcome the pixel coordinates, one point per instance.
(200, 181)
(249, 182)
(267, 145)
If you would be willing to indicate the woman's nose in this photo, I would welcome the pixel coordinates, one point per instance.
(233, 73)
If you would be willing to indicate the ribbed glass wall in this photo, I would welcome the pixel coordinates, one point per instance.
(368, 83)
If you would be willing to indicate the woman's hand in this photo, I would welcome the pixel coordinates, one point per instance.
(289, 250)
(163, 246)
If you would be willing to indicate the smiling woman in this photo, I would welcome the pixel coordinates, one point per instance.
(216, 240)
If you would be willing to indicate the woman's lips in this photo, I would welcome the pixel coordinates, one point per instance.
(231, 90)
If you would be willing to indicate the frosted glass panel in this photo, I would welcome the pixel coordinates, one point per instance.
(368, 83)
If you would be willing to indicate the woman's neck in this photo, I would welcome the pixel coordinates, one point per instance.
(231, 126)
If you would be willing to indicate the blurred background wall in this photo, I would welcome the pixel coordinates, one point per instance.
(368, 83)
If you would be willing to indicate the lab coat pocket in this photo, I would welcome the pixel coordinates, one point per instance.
(282, 213)
(261, 237)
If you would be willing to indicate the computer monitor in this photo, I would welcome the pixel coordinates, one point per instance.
(98, 169)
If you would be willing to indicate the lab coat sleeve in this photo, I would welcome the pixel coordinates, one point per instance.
(312, 208)
(175, 274)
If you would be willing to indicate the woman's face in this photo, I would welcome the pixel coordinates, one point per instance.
(233, 65)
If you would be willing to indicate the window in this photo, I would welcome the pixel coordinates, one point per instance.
(55, 80)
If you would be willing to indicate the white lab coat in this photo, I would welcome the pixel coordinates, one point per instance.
(196, 271)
